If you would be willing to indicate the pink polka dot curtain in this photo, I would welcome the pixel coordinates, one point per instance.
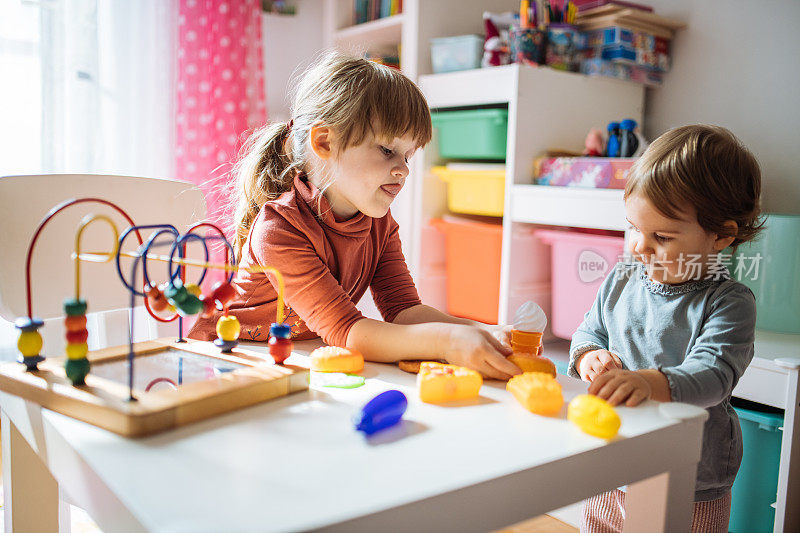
(220, 91)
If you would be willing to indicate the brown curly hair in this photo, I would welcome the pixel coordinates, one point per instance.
(706, 168)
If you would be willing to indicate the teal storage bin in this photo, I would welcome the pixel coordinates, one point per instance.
(756, 485)
(777, 286)
(472, 134)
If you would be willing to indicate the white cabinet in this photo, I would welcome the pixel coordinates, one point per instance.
(547, 109)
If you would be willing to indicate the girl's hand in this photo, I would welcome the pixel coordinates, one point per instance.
(618, 386)
(596, 362)
(476, 348)
(501, 333)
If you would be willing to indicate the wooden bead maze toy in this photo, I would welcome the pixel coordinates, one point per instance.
(147, 387)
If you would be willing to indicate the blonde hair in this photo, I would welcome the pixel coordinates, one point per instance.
(352, 96)
(707, 168)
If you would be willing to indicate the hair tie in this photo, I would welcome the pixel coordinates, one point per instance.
(289, 126)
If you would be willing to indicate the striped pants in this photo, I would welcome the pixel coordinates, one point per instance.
(605, 513)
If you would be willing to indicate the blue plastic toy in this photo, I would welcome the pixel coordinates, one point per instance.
(383, 411)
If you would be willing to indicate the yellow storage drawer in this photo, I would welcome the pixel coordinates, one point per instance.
(479, 191)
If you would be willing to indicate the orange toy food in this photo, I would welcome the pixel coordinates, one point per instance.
(538, 392)
(529, 363)
(443, 383)
(336, 359)
(526, 341)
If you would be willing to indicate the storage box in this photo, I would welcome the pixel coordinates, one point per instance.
(580, 263)
(474, 190)
(472, 134)
(756, 485)
(473, 266)
(463, 52)
(596, 172)
(621, 71)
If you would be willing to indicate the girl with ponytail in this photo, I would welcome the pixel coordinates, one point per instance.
(312, 199)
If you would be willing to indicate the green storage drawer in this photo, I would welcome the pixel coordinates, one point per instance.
(472, 134)
(756, 485)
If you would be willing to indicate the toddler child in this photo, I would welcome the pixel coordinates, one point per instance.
(673, 326)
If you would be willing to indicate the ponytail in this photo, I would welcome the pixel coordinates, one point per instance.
(262, 173)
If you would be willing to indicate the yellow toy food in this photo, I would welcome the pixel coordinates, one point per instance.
(594, 416)
(538, 392)
(439, 383)
(336, 359)
(531, 363)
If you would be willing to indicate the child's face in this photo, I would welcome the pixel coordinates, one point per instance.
(367, 177)
(673, 251)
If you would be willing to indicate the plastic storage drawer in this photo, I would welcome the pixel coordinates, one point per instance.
(472, 134)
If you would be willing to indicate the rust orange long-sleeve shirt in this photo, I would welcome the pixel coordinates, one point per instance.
(327, 267)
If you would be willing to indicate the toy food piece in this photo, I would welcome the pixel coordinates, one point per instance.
(538, 392)
(383, 411)
(412, 365)
(439, 383)
(594, 416)
(530, 363)
(336, 359)
(526, 341)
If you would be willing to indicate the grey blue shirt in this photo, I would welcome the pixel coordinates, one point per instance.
(699, 334)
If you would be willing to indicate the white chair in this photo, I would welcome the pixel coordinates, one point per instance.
(26, 201)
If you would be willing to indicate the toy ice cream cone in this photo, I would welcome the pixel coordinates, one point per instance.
(526, 341)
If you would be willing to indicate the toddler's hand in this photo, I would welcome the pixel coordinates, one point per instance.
(476, 348)
(596, 362)
(618, 386)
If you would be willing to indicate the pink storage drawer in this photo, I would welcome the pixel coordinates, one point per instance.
(580, 263)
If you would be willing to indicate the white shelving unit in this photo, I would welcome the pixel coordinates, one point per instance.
(548, 109)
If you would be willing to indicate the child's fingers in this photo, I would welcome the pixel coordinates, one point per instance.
(598, 382)
(499, 346)
(623, 392)
(488, 371)
(503, 365)
(637, 397)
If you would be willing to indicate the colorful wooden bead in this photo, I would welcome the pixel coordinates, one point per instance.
(185, 302)
(75, 307)
(209, 306)
(228, 328)
(75, 323)
(77, 336)
(280, 343)
(193, 288)
(77, 370)
(532, 363)
(77, 350)
(29, 343)
(223, 292)
(156, 299)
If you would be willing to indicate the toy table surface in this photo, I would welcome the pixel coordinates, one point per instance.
(296, 463)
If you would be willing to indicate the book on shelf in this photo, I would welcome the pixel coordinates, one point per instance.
(369, 10)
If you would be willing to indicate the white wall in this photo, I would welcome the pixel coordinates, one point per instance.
(736, 65)
(290, 44)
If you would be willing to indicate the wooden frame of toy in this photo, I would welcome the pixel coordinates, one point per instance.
(147, 387)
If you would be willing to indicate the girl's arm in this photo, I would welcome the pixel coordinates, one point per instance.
(457, 343)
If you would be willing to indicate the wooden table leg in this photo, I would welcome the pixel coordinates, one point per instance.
(662, 503)
(30, 492)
